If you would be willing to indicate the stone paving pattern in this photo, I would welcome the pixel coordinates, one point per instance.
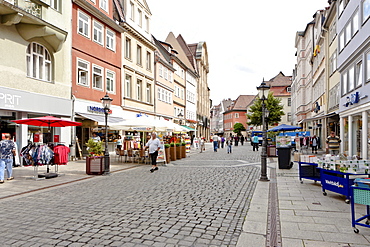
(198, 201)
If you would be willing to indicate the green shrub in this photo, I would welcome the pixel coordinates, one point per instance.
(172, 144)
(94, 148)
(178, 144)
(183, 144)
(167, 145)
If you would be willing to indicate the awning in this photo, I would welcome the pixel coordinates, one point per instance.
(187, 127)
(100, 118)
(320, 116)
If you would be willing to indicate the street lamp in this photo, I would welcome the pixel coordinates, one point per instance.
(261, 89)
(106, 102)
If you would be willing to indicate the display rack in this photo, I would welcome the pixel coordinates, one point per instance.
(338, 182)
(360, 195)
(309, 171)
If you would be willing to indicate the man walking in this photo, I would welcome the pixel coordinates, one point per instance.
(215, 142)
(333, 142)
(229, 144)
(154, 145)
(255, 142)
(7, 151)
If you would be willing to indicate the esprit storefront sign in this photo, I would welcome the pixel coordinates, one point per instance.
(98, 110)
(10, 100)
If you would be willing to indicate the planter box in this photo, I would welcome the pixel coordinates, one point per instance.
(178, 153)
(168, 155)
(183, 151)
(94, 165)
(173, 153)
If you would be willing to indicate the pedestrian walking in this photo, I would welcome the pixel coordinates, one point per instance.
(222, 141)
(236, 138)
(119, 143)
(7, 151)
(297, 141)
(333, 143)
(314, 143)
(201, 144)
(229, 144)
(255, 142)
(215, 142)
(154, 145)
(242, 140)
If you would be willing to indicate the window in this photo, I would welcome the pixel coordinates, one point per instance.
(365, 10)
(148, 61)
(55, 4)
(289, 101)
(341, 41)
(111, 40)
(333, 63)
(147, 24)
(160, 70)
(289, 117)
(98, 32)
(148, 93)
(110, 81)
(138, 90)
(367, 67)
(332, 31)
(132, 11)
(138, 55)
(358, 80)
(38, 62)
(349, 31)
(104, 5)
(236, 115)
(83, 69)
(128, 80)
(165, 73)
(128, 48)
(140, 17)
(97, 77)
(289, 89)
(83, 24)
(344, 82)
(355, 23)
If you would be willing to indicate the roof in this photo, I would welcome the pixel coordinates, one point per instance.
(242, 102)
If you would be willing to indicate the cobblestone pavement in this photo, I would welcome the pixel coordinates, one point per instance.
(198, 201)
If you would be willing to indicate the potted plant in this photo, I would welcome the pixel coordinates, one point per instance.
(172, 151)
(167, 152)
(94, 160)
(183, 150)
(178, 151)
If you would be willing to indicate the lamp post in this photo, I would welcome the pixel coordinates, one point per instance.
(262, 88)
(106, 102)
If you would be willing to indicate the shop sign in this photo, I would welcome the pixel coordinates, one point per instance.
(333, 183)
(10, 100)
(99, 110)
(353, 99)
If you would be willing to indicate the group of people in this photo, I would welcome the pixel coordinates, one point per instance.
(332, 141)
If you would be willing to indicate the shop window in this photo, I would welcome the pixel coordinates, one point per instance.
(83, 69)
(97, 77)
(110, 81)
(39, 65)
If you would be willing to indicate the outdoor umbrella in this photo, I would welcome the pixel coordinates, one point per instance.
(284, 127)
(48, 121)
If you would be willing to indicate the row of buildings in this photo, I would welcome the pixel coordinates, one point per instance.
(330, 88)
(61, 57)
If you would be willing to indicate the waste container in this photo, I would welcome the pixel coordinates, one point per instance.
(284, 157)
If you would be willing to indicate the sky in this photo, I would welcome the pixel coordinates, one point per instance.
(247, 40)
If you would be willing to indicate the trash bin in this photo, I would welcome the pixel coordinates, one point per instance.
(284, 157)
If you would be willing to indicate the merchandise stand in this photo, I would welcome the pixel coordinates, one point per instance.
(338, 182)
(360, 195)
(309, 171)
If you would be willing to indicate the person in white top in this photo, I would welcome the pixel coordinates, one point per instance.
(154, 145)
(215, 142)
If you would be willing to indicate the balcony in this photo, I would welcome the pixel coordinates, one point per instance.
(32, 7)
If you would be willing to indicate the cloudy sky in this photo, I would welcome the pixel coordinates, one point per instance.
(247, 40)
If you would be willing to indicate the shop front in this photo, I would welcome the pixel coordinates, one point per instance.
(17, 104)
(354, 125)
(91, 115)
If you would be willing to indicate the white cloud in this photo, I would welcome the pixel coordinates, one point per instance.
(246, 40)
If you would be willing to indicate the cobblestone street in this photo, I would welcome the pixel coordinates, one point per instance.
(198, 201)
